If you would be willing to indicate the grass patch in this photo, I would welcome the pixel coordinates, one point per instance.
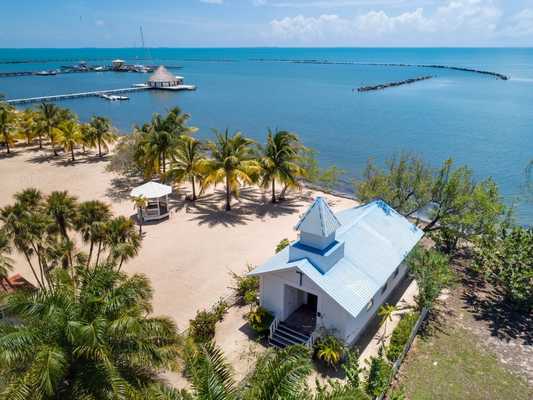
(451, 365)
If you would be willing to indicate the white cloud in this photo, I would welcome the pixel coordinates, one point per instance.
(333, 3)
(379, 22)
(456, 22)
(521, 24)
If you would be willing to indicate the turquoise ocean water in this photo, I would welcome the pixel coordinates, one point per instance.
(476, 119)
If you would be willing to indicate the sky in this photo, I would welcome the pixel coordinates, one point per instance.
(258, 23)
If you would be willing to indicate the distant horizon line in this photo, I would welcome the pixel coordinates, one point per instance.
(268, 47)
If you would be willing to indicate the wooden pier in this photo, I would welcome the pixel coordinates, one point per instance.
(68, 96)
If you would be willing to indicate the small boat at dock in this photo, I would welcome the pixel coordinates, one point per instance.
(112, 97)
(46, 73)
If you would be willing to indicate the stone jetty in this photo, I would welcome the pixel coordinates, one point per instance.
(437, 66)
(392, 84)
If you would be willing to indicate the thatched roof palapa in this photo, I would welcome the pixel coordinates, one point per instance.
(162, 74)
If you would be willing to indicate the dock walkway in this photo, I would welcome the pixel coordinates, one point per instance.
(74, 95)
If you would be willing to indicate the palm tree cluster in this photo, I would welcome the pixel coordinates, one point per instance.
(86, 337)
(45, 230)
(166, 148)
(59, 125)
(278, 375)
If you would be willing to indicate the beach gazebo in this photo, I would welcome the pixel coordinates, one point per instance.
(156, 196)
(162, 78)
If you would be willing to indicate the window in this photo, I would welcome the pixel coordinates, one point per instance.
(370, 304)
(396, 272)
(384, 288)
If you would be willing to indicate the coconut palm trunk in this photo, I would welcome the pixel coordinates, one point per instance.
(228, 193)
(72, 153)
(99, 147)
(193, 188)
(6, 137)
(52, 143)
(273, 190)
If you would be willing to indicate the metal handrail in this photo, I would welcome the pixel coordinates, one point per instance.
(312, 339)
(273, 327)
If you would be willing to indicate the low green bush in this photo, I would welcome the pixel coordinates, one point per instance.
(246, 288)
(378, 375)
(282, 244)
(400, 335)
(259, 319)
(202, 327)
(330, 350)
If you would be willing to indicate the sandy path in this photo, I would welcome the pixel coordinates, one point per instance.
(187, 257)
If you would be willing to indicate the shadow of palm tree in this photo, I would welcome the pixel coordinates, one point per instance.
(4, 154)
(121, 187)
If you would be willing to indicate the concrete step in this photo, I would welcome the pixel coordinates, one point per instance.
(291, 336)
(293, 332)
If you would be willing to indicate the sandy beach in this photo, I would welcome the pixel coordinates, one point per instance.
(187, 257)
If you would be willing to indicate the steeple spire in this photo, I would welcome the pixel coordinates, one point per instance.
(318, 225)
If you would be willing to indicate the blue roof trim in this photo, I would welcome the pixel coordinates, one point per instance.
(310, 249)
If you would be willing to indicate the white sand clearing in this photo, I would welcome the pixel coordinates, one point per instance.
(187, 257)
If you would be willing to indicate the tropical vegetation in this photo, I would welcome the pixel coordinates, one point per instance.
(506, 260)
(87, 336)
(59, 125)
(457, 207)
(329, 349)
(44, 228)
(432, 272)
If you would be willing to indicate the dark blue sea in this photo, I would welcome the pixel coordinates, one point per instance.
(475, 119)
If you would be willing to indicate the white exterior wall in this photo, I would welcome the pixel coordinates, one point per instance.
(273, 298)
(332, 317)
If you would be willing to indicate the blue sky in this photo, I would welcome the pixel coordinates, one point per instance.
(233, 23)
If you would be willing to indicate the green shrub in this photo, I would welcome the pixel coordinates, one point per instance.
(282, 244)
(400, 335)
(352, 369)
(432, 273)
(246, 288)
(202, 327)
(378, 375)
(259, 319)
(330, 350)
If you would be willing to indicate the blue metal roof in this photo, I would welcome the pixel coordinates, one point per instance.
(376, 240)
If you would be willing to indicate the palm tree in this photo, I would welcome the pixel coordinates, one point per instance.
(27, 227)
(51, 117)
(386, 312)
(186, 161)
(159, 142)
(231, 162)
(87, 136)
(70, 136)
(91, 218)
(278, 162)
(63, 209)
(28, 126)
(175, 122)
(140, 203)
(6, 262)
(88, 338)
(7, 124)
(123, 240)
(103, 133)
